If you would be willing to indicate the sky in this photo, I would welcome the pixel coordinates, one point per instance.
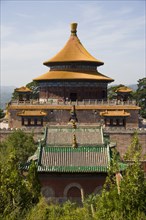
(34, 31)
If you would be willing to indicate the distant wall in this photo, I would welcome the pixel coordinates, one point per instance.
(38, 133)
(123, 139)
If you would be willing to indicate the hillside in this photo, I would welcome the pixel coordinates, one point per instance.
(5, 95)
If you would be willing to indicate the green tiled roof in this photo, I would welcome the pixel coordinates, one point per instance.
(71, 169)
(60, 149)
(68, 159)
(63, 158)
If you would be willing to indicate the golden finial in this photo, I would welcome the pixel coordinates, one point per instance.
(73, 116)
(73, 124)
(73, 28)
(74, 145)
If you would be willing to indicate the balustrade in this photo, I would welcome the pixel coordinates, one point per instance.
(69, 102)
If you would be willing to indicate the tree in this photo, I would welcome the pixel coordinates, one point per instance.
(18, 193)
(15, 95)
(35, 89)
(22, 143)
(134, 149)
(112, 91)
(33, 184)
(2, 114)
(13, 191)
(66, 211)
(141, 96)
(133, 191)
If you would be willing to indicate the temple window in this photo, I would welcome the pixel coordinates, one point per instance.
(33, 121)
(117, 121)
(113, 121)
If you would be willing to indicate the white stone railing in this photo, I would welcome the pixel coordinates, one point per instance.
(84, 102)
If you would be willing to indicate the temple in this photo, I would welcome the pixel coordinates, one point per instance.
(73, 74)
(73, 79)
(72, 105)
(73, 161)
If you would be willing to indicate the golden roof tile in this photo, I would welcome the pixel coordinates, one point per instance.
(114, 113)
(73, 51)
(23, 89)
(124, 89)
(68, 107)
(61, 75)
(32, 113)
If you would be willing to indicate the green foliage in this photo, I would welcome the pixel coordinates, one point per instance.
(15, 95)
(130, 203)
(112, 91)
(133, 196)
(33, 182)
(2, 114)
(134, 149)
(141, 96)
(35, 89)
(33, 86)
(67, 211)
(113, 95)
(22, 143)
(17, 193)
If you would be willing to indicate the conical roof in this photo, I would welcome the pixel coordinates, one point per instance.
(73, 51)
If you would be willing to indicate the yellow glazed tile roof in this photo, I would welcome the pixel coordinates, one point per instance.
(32, 113)
(115, 113)
(78, 107)
(124, 89)
(73, 51)
(23, 89)
(58, 75)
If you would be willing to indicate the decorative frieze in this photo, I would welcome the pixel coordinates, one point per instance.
(72, 84)
(74, 67)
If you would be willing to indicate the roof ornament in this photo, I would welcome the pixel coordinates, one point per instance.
(74, 144)
(74, 124)
(73, 29)
(73, 116)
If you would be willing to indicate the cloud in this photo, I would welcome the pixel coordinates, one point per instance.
(22, 15)
(116, 37)
(6, 31)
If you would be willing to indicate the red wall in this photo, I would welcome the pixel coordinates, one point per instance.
(58, 182)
